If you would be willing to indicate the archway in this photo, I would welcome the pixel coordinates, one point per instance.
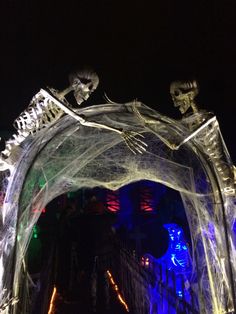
(66, 156)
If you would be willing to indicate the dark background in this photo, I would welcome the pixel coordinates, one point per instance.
(136, 47)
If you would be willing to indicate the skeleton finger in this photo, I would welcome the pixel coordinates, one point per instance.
(135, 135)
(136, 143)
(132, 137)
(130, 143)
(133, 144)
(130, 148)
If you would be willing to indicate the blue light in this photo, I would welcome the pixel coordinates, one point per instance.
(177, 260)
(177, 257)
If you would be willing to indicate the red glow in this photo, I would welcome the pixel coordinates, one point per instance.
(113, 202)
(146, 208)
(113, 206)
(42, 211)
(146, 199)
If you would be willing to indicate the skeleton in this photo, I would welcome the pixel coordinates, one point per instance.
(183, 95)
(203, 127)
(47, 107)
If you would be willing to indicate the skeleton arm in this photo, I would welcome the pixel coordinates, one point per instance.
(49, 106)
(46, 108)
(172, 146)
(147, 121)
(131, 138)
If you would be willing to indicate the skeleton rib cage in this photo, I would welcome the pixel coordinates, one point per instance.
(40, 113)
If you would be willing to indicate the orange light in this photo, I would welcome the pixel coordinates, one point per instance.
(50, 311)
(147, 262)
(122, 301)
(115, 287)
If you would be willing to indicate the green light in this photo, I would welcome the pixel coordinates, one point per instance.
(35, 232)
(42, 182)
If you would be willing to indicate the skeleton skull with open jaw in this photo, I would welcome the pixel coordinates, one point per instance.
(183, 94)
(83, 83)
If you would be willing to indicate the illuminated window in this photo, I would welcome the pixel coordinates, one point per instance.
(146, 198)
(113, 201)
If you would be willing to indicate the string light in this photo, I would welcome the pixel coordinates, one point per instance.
(115, 287)
(50, 311)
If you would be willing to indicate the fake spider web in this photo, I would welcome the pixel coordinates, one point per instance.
(67, 156)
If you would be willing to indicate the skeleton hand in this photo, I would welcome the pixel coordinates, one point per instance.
(134, 143)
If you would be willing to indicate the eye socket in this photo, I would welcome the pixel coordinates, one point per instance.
(76, 81)
(85, 81)
(90, 87)
(176, 93)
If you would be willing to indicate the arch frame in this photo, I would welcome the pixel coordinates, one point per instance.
(36, 145)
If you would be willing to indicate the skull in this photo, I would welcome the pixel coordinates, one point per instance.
(183, 94)
(83, 83)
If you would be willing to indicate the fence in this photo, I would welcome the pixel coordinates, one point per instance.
(150, 288)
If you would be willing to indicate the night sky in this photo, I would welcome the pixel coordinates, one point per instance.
(136, 47)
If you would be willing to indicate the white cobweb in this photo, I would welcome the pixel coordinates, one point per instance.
(67, 156)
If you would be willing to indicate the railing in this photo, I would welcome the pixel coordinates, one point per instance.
(147, 288)
(151, 288)
(176, 294)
